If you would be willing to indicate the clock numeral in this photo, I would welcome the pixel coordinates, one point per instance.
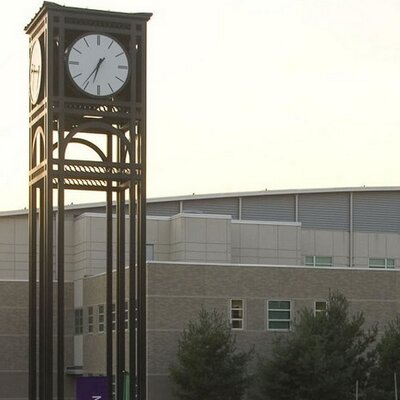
(98, 90)
(112, 90)
(87, 44)
(120, 79)
(74, 48)
(73, 63)
(98, 40)
(86, 85)
(120, 54)
(76, 75)
(112, 41)
(122, 67)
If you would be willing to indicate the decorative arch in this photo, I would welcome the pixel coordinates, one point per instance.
(87, 127)
(89, 144)
(38, 145)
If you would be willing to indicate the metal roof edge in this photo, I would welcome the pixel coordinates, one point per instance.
(227, 195)
(274, 193)
(51, 6)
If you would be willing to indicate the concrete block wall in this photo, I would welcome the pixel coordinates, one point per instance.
(330, 243)
(159, 236)
(200, 237)
(184, 237)
(255, 242)
(89, 245)
(336, 244)
(375, 245)
(197, 238)
(14, 247)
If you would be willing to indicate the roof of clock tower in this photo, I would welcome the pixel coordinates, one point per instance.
(47, 5)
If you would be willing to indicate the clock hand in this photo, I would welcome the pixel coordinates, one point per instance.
(90, 75)
(97, 68)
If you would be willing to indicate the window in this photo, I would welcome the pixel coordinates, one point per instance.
(78, 321)
(126, 314)
(320, 307)
(236, 314)
(113, 317)
(318, 261)
(90, 319)
(309, 261)
(101, 317)
(279, 315)
(381, 263)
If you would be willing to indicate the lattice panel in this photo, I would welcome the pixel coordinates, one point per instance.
(96, 169)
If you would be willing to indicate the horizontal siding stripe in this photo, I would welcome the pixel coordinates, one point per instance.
(325, 211)
(376, 212)
(269, 208)
(163, 209)
(227, 206)
(372, 211)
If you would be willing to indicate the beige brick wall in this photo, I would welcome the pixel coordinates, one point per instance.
(14, 338)
(177, 291)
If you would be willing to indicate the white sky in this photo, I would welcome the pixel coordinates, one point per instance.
(242, 94)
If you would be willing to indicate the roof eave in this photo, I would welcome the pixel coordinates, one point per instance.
(50, 6)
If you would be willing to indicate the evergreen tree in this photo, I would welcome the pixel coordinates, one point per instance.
(209, 366)
(322, 358)
(388, 363)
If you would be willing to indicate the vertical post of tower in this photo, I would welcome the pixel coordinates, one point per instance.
(66, 111)
(32, 294)
(142, 275)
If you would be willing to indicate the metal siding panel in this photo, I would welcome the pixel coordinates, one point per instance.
(376, 212)
(325, 211)
(163, 209)
(222, 206)
(269, 208)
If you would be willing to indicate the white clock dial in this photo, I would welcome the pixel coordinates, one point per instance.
(35, 71)
(98, 64)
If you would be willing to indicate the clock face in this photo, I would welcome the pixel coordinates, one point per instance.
(35, 71)
(98, 64)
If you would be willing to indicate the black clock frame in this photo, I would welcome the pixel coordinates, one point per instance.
(56, 120)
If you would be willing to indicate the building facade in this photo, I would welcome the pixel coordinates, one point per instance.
(257, 257)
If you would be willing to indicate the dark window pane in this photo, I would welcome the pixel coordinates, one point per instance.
(237, 314)
(279, 305)
(285, 325)
(237, 324)
(279, 314)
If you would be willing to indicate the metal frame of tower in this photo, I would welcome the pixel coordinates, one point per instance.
(60, 119)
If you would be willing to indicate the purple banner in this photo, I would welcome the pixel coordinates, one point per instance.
(92, 388)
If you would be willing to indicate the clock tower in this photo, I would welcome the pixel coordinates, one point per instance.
(87, 131)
